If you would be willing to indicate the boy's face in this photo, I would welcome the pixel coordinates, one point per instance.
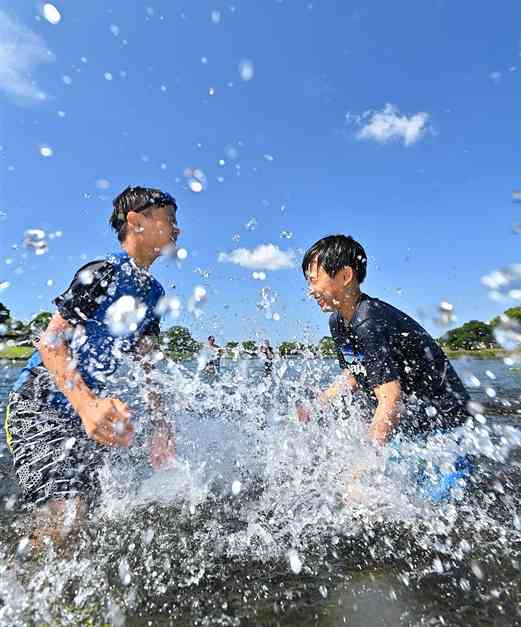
(159, 229)
(329, 292)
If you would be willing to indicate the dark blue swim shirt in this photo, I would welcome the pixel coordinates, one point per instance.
(111, 304)
(382, 344)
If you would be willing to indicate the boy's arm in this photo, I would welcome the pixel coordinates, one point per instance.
(345, 381)
(387, 413)
(105, 420)
(162, 444)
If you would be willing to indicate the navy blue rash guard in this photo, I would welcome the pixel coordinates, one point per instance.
(382, 344)
(84, 305)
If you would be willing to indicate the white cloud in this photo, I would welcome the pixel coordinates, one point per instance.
(20, 51)
(264, 257)
(388, 125)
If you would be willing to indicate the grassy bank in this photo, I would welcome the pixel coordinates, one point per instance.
(481, 353)
(19, 353)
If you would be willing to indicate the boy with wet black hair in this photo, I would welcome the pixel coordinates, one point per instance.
(386, 357)
(60, 417)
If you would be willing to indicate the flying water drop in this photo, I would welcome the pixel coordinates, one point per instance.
(51, 13)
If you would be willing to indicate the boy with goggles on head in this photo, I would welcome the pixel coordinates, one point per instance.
(60, 417)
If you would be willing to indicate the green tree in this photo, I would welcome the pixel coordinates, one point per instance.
(40, 322)
(179, 343)
(471, 335)
(514, 313)
(5, 314)
(288, 348)
(249, 346)
(231, 348)
(327, 347)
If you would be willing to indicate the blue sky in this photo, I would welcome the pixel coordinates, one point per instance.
(395, 122)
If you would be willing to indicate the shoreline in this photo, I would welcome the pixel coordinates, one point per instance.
(19, 354)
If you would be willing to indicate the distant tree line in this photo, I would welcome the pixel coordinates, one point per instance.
(178, 343)
(476, 335)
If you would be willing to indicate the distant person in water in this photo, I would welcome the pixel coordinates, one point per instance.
(390, 364)
(213, 365)
(267, 355)
(61, 419)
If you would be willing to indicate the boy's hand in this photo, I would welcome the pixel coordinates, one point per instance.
(107, 420)
(162, 447)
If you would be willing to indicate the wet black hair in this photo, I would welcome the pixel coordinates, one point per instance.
(136, 199)
(335, 252)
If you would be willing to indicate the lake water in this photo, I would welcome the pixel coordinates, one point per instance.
(252, 528)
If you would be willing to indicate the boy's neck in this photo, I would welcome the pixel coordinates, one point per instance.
(143, 259)
(348, 307)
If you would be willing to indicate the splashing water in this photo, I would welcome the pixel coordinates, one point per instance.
(255, 496)
(124, 316)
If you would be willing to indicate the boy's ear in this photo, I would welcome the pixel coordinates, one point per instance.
(133, 219)
(348, 275)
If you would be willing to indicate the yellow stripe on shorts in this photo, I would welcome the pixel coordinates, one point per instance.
(8, 434)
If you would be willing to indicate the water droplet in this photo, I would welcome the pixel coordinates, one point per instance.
(107, 76)
(323, 591)
(102, 183)
(236, 237)
(46, 151)
(508, 333)
(285, 234)
(246, 70)
(124, 316)
(124, 572)
(4, 285)
(295, 563)
(34, 239)
(3, 216)
(70, 443)
(259, 276)
(251, 225)
(163, 88)
(24, 548)
(211, 91)
(215, 16)
(445, 313)
(61, 114)
(476, 569)
(50, 283)
(148, 535)
(182, 254)
(51, 13)
(236, 487)
(195, 186)
(269, 157)
(199, 293)
(275, 317)
(114, 30)
(67, 79)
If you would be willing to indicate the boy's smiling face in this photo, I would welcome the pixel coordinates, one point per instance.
(329, 292)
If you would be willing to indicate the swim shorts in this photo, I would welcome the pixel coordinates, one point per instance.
(53, 457)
